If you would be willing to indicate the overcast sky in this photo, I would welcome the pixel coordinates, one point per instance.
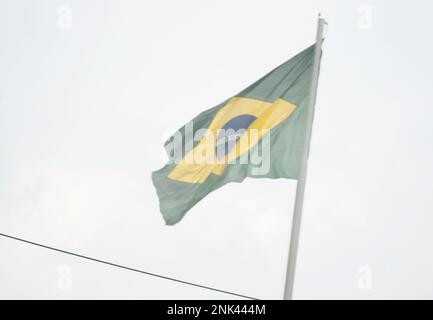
(89, 90)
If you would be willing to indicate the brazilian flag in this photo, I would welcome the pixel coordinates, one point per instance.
(271, 114)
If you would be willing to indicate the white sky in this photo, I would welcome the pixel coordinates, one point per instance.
(84, 111)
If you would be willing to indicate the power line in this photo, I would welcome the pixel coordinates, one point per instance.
(126, 268)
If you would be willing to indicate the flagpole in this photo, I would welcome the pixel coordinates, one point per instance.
(300, 188)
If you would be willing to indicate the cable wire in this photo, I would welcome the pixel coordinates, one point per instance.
(127, 268)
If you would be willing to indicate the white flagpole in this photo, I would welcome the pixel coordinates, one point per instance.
(300, 188)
